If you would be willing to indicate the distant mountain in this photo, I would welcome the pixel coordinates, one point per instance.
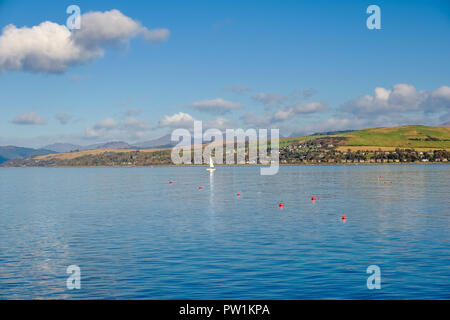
(11, 152)
(62, 147)
(109, 145)
(69, 147)
(164, 141)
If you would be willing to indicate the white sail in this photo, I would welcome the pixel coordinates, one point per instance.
(211, 166)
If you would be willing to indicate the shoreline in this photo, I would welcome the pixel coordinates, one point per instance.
(235, 165)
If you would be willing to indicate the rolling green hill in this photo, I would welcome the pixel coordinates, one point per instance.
(406, 137)
(402, 137)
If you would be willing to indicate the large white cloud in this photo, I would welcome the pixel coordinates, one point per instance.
(218, 106)
(50, 47)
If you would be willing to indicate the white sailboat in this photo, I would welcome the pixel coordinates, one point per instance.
(211, 166)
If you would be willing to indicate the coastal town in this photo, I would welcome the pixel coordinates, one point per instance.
(317, 152)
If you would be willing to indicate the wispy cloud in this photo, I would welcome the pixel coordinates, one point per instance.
(216, 106)
(63, 118)
(132, 112)
(273, 99)
(237, 88)
(156, 35)
(308, 93)
(29, 118)
(269, 99)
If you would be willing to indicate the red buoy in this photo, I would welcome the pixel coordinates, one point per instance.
(344, 217)
(281, 205)
(170, 182)
(313, 198)
(238, 194)
(200, 188)
(318, 198)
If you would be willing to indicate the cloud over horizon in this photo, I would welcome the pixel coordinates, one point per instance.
(127, 129)
(401, 105)
(401, 98)
(282, 114)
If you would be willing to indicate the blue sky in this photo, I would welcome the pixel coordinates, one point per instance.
(301, 66)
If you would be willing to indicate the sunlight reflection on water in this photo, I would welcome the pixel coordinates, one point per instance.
(136, 236)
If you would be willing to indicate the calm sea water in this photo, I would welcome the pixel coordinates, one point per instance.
(135, 236)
